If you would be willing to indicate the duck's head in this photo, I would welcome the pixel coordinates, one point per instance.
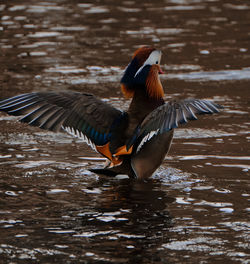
(143, 73)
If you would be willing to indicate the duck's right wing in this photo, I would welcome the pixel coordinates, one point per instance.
(170, 116)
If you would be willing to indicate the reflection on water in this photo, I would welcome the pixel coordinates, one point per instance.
(195, 208)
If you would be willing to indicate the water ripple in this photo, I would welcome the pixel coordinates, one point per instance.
(226, 75)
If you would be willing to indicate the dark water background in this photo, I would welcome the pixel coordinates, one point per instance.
(195, 209)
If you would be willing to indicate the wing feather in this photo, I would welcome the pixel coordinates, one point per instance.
(170, 116)
(80, 114)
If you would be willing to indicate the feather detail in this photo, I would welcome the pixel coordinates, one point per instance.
(153, 83)
(79, 134)
(147, 138)
(123, 151)
(142, 54)
(116, 161)
(127, 92)
(105, 151)
(169, 116)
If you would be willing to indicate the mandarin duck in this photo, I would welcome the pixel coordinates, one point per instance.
(135, 141)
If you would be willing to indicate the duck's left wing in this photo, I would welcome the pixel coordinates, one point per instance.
(80, 114)
(170, 116)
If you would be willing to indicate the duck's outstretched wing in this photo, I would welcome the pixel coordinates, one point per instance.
(170, 116)
(80, 114)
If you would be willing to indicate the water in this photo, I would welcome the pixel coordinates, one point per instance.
(195, 209)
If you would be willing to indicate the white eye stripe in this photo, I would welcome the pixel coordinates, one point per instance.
(154, 58)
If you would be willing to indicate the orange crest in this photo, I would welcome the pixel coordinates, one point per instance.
(142, 53)
(153, 83)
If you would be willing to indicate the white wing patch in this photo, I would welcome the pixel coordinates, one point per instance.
(79, 134)
(147, 138)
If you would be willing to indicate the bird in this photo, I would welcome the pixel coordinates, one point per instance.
(134, 142)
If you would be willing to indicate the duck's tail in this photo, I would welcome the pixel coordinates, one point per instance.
(123, 168)
(106, 172)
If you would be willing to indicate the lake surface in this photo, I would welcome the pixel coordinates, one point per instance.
(195, 209)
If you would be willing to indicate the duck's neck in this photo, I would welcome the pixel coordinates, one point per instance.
(141, 104)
